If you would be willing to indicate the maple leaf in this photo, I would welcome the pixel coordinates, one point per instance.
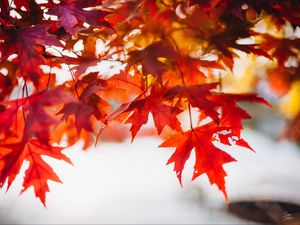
(9, 117)
(82, 113)
(209, 158)
(197, 96)
(7, 82)
(281, 11)
(71, 12)
(286, 10)
(89, 104)
(149, 59)
(6, 117)
(140, 108)
(4, 12)
(199, 19)
(162, 114)
(226, 40)
(67, 130)
(24, 42)
(232, 115)
(192, 71)
(280, 48)
(129, 13)
(29, 10)
(37, 119)
(131, 84)
(39, 172)
(82, 63)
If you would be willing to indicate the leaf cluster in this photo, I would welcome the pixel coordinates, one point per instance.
(172, 55)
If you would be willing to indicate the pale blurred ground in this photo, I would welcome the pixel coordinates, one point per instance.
(129, 183)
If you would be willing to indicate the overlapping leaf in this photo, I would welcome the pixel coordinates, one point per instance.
(209, 158)
(72, 12)
(140, 108)
(25, 43)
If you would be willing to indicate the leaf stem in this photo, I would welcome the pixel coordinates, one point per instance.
(49, 74)
(189, 105)
(190, 115)
(220, 83)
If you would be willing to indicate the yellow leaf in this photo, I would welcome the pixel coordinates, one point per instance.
(290, 104)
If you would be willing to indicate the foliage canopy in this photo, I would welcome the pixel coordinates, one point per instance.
(172, 55)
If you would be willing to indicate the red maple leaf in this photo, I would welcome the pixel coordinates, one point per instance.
(72, 12)
(7, 82)
(139, 109)
(209, 158)
(280, 48)
(232, 115)
(37, 120)
(25, 43)
(130, 84)
(225, 41)
(197, 96)
(39, 172)
(8, 116)
(162, 114)
(88, 105)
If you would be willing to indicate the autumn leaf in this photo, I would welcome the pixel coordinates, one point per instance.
(37, 120)
(39, 172)
(280, 48)
(130, 84)
(24, 42)
(7, 82)
(8, 116)
(88, 106)
(232, 115)
(149, 59)
(163, 114)
(197, 96)
(82, 113)
(193, 70)
(225, 41)
(209, 158)
(71, 13)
